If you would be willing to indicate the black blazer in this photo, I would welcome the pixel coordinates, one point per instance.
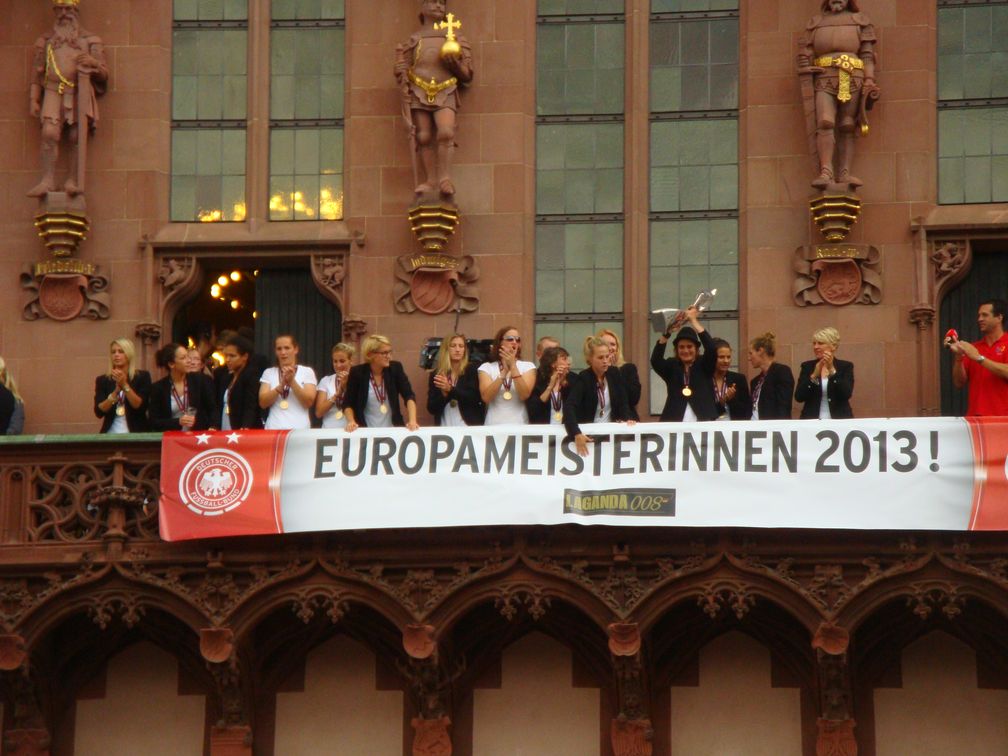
(201, 396)
(466, 392)
(839, 388)
(7, 403)
(538, 410)
(631, 379)
(739, 408)
(581, 404)
(243, 399)
(671, 371)
(396, 385)
(775, 396)
(136, 419)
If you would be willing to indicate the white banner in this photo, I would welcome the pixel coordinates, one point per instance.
(902, 473)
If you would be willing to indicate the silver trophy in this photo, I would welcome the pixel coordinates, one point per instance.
(669, 319)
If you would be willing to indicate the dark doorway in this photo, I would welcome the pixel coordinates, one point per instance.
(288, 301)
(226, 302)
(988, 278)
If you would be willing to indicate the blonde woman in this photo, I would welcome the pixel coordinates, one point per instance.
(825, 384)
(375, 388)
(628, 371)
(772, 388)
(120, 398)
(597, 395)
(332, 388)
(453, 395)
(11, 404)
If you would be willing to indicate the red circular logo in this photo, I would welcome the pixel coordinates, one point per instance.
(215, 481)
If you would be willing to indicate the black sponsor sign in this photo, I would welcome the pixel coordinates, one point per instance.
(635, 502)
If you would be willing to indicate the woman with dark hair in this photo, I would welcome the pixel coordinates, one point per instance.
(237, 387)
(181, 400)
(597, 395)
(825, 384)
(628, 371)
(120, 398)
(687, 376)
(506, 381)
(376, 387)
(545, 404)
(453, 395)
(773, 387)
(731, 392)
(287, 390)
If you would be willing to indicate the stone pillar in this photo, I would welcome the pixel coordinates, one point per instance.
(430, 685)
(232, 735)
(631, 730)
(28, 734)
(835, 723)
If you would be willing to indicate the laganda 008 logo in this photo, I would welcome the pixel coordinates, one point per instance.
(215, 481)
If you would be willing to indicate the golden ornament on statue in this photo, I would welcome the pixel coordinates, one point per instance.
(451, 47)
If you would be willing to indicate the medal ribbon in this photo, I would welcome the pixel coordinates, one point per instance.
(378, 392)
(720, 394)
(182, 402)
(600, 390)
(758, 388)
(121, 399)
(686, 376)
(338, 390)
(556, 401)
(506, 380)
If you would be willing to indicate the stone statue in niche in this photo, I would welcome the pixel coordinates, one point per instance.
(836, 67)
(68, 73)
(430, 68)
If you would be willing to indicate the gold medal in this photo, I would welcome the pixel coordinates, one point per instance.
(120, 410)
(227, 410)
(339, 415)
(383, 409)
(558, 416)
(454, 403)
(507, 396)
(687, 391)
(284, 404)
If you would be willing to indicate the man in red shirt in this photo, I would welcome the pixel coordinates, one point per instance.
(983, 365)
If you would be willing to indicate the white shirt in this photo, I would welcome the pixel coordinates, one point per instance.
(603, 414)
(501, 411)
(824, 413)
(451, 417)
(373, 415)
(225, 417)
(118, 424)
(330, 420)
(296, 416)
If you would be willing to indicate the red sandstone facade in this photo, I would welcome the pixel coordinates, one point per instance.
(83, 575)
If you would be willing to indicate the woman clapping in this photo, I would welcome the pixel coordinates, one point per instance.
(332, 389)
(288, 389)
(506, 381)
(453, 395)
(120, 398)
(545, 405)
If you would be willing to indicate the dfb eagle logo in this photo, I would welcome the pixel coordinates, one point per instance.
(215, 482)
